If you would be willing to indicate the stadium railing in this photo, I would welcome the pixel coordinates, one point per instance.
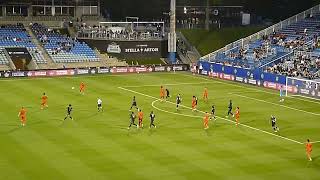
(268, 31)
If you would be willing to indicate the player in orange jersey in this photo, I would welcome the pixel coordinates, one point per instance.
(162, 93)
(237, 115)
(205, 94)
(82, 88)
(44, 101)
(23, 116)
(309, 149)
(194, 103)
(140, 116)
(206, 120)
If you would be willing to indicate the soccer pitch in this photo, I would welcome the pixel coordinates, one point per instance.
(98, 145)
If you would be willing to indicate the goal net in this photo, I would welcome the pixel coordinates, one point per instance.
(303, 87)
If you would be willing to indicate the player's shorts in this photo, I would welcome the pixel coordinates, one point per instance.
(23, 118)
(99, 105)
(134, 104)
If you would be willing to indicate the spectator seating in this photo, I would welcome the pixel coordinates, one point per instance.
(16, 36)
(270, 48)
(63, 49)
(3, 58)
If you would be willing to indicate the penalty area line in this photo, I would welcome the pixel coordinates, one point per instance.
(288, 107)
(228, 120)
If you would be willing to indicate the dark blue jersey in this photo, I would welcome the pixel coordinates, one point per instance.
(152, 116)
(178, 100)
(69, 109)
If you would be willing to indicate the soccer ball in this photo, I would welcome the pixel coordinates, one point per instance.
(72, 88)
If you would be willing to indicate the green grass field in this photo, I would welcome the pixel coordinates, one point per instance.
(99, 145)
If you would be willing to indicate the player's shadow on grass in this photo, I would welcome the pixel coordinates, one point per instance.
(207, 132)
(132, 131)
(151, 131)
(18, 127)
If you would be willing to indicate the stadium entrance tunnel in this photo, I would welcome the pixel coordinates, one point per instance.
(20, 57)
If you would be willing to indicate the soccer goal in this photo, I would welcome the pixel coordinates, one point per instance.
(303, 87)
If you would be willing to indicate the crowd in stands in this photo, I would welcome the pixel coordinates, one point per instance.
(61, 47)
(16, 36)
(302, 66)
(128, 32)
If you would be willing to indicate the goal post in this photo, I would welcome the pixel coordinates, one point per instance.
(303, 87)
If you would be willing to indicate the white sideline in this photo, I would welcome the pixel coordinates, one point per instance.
(247, 97)
(256, 129)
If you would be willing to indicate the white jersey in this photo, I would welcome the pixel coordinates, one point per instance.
(99, 101)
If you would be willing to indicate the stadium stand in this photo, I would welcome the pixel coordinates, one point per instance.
(292, 50)
(3, 58)
(122, 31)
(61, 48)
(16, 36)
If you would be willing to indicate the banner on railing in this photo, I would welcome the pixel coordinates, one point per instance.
(91, 71)
(247, 76)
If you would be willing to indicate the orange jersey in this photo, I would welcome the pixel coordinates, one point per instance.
(237, 114)
(194, 102)
(23, 113)
(140, 115)
(44, 98)
(206, 118)
(162, 92)
(205, 93)
(82, 86)
(308, 147)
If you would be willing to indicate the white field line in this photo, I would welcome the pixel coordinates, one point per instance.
(315, 142)
(244, 87)
(253, 128)
(247, 97)
(175, 84)
(317, 101)
(152, 104)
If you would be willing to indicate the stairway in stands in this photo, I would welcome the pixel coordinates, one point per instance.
(50, 64)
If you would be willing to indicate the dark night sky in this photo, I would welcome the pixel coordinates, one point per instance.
(152, 9)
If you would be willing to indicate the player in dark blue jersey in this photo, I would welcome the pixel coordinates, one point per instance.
(213, 113)
(230, 109)
(167, 93)
(132, 119)
(274, 124)
(69, 111)
(152, 118)
(134, 103)
(178, 101)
